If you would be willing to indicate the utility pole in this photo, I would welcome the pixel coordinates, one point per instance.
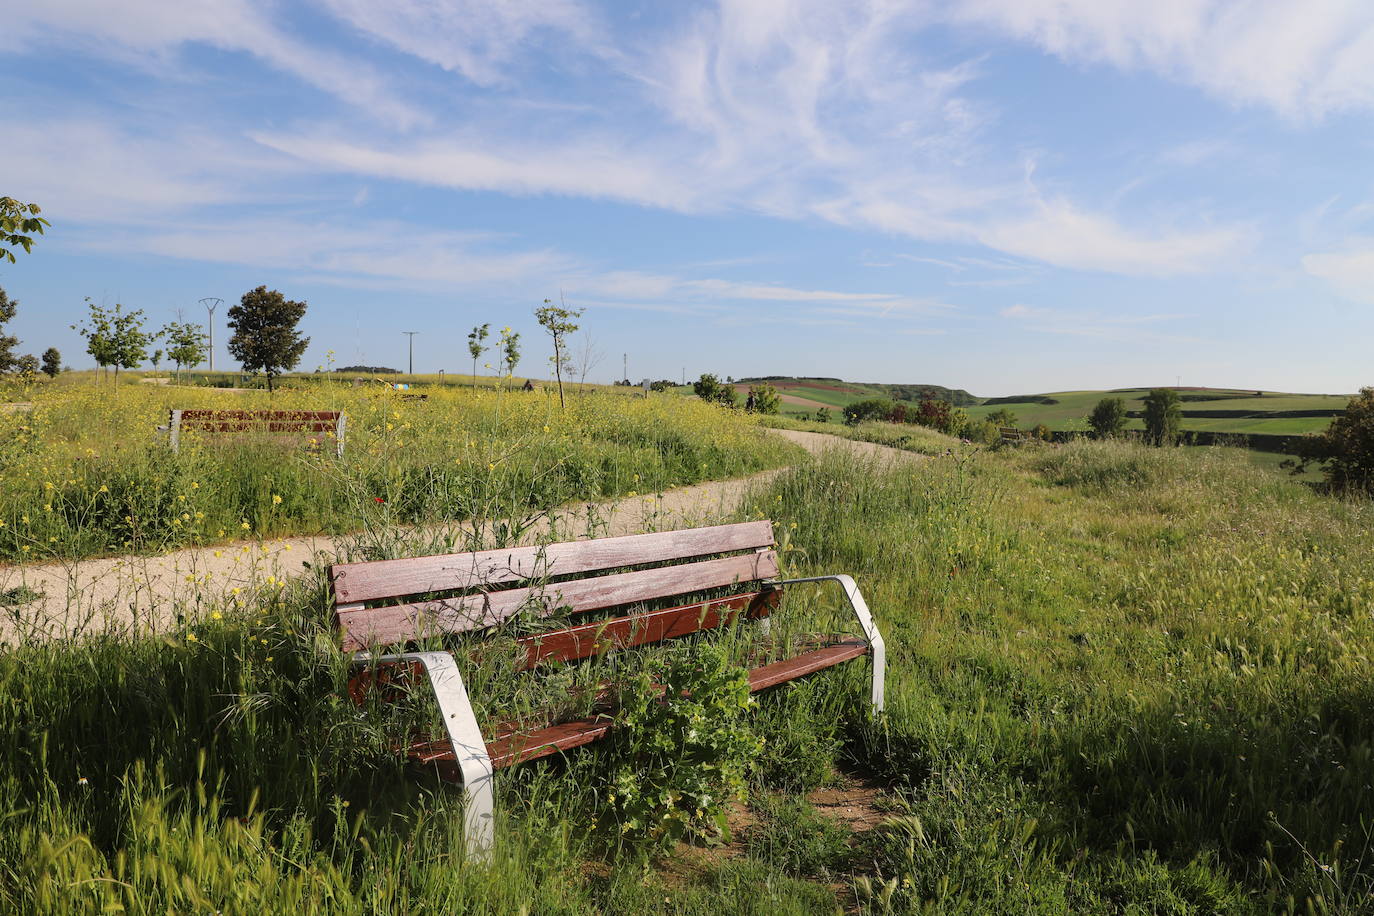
(411, 335)
(625, 367)
(211, 303)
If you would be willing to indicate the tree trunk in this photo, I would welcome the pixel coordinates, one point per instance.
(558, 371)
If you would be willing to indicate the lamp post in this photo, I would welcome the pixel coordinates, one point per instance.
(411, 365)
(211, 303)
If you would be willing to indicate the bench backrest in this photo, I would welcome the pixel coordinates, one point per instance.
(215, 420)
(1011, 433)
(462, 592)
(275, 421)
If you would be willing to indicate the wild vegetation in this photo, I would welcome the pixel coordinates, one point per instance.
(85, 472)
(1121, 679)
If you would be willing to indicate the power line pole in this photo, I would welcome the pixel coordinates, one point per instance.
(625, 367)
(211, 303)
(411, 335)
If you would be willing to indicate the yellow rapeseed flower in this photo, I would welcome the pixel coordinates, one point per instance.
(276, 500)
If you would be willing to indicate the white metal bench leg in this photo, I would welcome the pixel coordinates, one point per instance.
(877, 649)
(469, 750)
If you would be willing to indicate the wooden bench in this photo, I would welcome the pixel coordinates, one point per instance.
(1012, 435)
(272, 422)
(617, 576)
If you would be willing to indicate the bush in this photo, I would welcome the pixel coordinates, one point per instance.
(763, 398)
(1108, 418)
(870, 409)
(1346, 448)
(1002, 416)
(709, 388)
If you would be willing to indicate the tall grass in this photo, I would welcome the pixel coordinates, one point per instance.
(85, 473)
(1121, 680)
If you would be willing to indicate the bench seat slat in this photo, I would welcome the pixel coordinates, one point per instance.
(258, 416)
(381, 579)
(363, 627)
(638, 629)
(511, 748)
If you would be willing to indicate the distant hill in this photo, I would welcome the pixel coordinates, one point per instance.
(818, 391)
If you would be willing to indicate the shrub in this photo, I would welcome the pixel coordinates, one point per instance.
(1002, 416)
(710, 388)
(1346, 448)
(869, 409)
(1042, 432)
(683, 753)
(822, 415)
(1108, 418)
(764, 398)
(935, 414)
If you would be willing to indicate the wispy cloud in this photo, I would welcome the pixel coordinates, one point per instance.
(1305, 60)
(1349, 271)
(1075, 323)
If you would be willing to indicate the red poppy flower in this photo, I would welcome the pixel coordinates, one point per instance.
(378, 499)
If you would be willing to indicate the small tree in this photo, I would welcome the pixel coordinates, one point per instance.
(115, 337)
(156, 359)
(1108, 418)
(765, 397)
(1345, 449)
(185, 344)
(265, 337)
(52, 362)
(19, 223)
(558, 321)
(710, 388)
(510, 351)
(934, 413)
(475, 347)
(822, 415)
(8, 307)
(1163, 416)
(1002, 416)
(27, 366)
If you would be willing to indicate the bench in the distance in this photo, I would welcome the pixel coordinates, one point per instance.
(616, 574)
(321, 423)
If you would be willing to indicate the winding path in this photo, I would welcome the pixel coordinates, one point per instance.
(150, 593)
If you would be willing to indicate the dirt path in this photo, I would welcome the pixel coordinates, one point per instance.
(154, 592)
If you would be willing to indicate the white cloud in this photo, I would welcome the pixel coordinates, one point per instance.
(477, 38)
(1075, 323)
(145, 33)
(1304, 60)
(1349, 272)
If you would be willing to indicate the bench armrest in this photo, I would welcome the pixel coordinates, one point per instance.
(469, 748)
(877, 648)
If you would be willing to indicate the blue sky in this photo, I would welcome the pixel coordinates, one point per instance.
(998, 195)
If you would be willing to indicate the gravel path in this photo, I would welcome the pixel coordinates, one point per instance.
(154, 592)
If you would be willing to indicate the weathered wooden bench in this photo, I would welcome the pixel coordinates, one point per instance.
(269, 422)
(1012, 435)
(616, 575)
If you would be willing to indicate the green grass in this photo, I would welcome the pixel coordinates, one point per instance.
(84, 472)
(905, 436)
(1073, 407)
(1121, 680)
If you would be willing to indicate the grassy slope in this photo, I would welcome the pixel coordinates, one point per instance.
(1121, 681)
(84, 472)
(1074, 407)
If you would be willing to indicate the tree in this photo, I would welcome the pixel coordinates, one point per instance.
(510, 351)
(19, 223)
(868, 409)
(8, 307)
(822, 414)
(765, 398)
(1345, 449)
(52, 362)
(934, 413)
(1108, 418)
(27, 365)
(265, 337)
(475, 347)
(1002, 416)
(558, 321)
(185, 344)
(115, 337)
(710, 388)
(1163, 416)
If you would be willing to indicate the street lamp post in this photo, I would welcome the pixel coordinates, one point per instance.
(211, 303)
(411, 364)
